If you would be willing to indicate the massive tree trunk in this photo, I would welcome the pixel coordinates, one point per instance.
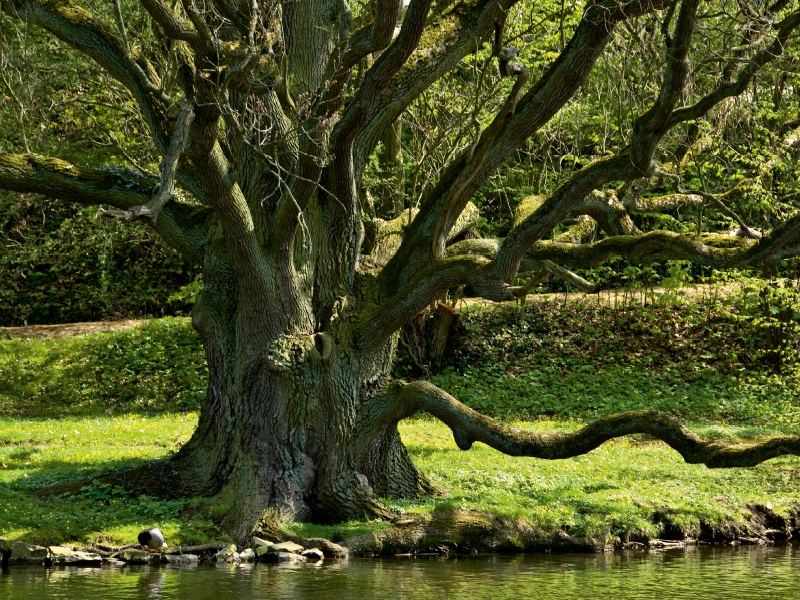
(258, 121)
(300, 426)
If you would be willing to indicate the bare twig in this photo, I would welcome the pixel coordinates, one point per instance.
(168, 166)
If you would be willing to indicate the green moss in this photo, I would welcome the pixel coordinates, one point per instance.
(526, 207)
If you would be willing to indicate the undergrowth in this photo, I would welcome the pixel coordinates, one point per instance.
(159, 366)
(582, 360)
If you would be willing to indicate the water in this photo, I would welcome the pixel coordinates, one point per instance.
(771, 572)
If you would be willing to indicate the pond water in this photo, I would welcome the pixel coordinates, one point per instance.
(771, 572)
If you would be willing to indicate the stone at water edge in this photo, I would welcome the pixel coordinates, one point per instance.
(138, 557)
(189, 560)
(28, 554)
(286, 547)
(247, 555)
(226, 553)
(262, 550)
(281, 557)
(255, 543)
(59, 555)
(5, 546)
(313, 554)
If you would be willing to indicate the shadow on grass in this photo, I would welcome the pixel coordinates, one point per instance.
(84, 504)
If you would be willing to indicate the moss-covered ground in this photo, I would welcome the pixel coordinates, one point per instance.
(75, 408)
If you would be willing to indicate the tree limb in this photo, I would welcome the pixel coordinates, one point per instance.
(532, 111)
(168, 167)
(469, 426)
(427, 284)
(182, 226)
(608, 212)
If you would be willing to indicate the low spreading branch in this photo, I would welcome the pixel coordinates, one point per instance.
(181, 225)
(469, 426)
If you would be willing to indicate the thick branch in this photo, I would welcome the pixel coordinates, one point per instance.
(608, 212)
(636, 204)
(375, 81)
(718, 251)
(173, 25)
(428, 284)
(532, 111)
(451, 34)
(181, 225)
(566, 275)
(469, 426)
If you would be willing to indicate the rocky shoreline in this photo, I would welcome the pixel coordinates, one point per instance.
(260, 550)
(441, 533)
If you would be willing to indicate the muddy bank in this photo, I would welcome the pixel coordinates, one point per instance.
(470, 532)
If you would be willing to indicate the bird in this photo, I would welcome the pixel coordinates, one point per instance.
(152, 538)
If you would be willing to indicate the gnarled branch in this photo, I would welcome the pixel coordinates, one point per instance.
(181, 226)
(469, 426)
(168, 166)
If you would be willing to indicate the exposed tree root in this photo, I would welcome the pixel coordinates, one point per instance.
(469, 426)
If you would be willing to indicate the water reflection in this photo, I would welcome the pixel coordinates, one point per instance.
(687, 573)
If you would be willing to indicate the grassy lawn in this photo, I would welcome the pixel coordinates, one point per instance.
(625, 487)
(74, 408)
(39, 452)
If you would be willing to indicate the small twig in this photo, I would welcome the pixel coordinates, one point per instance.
(168, 166)
(751, 233)
(121, 25)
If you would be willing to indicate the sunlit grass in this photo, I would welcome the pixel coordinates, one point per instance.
(624, 487)
(39, 453)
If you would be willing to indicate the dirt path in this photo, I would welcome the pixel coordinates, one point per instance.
(68, 329)
(605, 297)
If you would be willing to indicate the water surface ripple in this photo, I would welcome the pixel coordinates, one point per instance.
(705, 572)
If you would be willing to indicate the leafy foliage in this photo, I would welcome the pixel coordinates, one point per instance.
(64, 266)
(697, 358)
(159, 366)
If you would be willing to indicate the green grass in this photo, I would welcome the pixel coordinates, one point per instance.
(626, 487)
(35, 453)
(74, 408)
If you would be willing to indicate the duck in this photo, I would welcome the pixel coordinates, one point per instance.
(152, 538)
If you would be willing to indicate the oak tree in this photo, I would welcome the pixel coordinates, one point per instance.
(265, 114)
